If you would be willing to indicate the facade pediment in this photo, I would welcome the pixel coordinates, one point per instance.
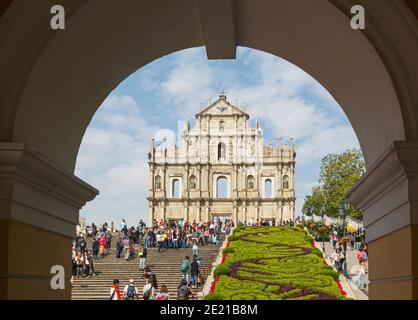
(221, 107)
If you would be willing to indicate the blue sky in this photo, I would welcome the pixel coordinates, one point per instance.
(287, 101)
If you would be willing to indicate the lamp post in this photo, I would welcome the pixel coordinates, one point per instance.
(323, 225)
(344, 211)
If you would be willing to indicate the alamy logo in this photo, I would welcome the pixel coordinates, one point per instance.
(358, 22)
(58, 280)
(58, 18)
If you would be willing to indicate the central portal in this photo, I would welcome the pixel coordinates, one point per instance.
(221, 168)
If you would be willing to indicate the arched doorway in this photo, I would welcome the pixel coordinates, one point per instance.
(52, 83)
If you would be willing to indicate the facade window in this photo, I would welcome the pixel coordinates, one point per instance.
(176, 188)
(221, 151)
(250, 183)
(222, 188)
(286, 182)
(193, 183)
(268, 188)
(222, 126)
(158, 183)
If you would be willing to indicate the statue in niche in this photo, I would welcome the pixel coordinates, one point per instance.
(193, 183)
(285, 182)
(157, 182)
(250, 183)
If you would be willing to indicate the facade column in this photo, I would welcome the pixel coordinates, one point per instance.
(150, 213)
(388, 195)
(235, 213)
(39, 208)
(207, 210)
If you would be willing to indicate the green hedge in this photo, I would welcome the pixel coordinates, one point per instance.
(213, 296)
(222, 269)
(228, 250)
(270, 257)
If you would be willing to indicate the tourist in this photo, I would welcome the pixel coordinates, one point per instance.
(119, 248)
(360, 256)
(126, 246)
(163, 294)
(108, 238)
(215, 239)
(95, 248)
(79, 263)
(159, 241)
(130, 292)
(150, 276)
(184, 239)
(102, 245)
(123, 228)
(83, 245)
(195, 249)
(142, 254)
(85, 258)
(336, 257)
(183, 291)
(185, 268)
(145, 238)
(342, 258)
(175, 239)
(334, 240)
(206, 235)
(115, 291)
(149, 290)
(195, 271)
(359, 280)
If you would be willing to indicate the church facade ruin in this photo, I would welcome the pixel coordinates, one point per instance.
(222, 169)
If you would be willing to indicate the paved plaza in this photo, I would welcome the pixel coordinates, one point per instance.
(352, 262)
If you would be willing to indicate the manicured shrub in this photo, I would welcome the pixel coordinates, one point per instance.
(334, 274)
(228, 250)
(222, 269)
(317, 252)
(212, 296)
(233, 237)
(274, 263)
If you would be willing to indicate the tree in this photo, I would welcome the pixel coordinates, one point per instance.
(339, 173)
(314, 202)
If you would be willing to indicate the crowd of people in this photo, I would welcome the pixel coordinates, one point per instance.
(134, 243)
(174, 234)
(338, 257)
(267, 223)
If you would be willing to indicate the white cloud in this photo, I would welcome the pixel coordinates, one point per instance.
(112, 159)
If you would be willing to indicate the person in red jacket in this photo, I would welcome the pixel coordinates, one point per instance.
(115, 290)
(102, 246)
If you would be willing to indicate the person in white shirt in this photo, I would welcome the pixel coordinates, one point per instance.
(149, 290)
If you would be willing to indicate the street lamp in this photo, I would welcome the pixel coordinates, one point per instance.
(323, 226)
(344, 211)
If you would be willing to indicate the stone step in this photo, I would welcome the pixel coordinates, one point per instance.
(165, 265)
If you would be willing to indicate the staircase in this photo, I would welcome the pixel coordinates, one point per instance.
(166, 266)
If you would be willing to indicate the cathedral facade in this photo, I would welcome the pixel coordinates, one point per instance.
(222, 169)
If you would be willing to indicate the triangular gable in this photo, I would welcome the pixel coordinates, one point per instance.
(219, 105)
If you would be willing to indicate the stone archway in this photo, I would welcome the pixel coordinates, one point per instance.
(52, 83)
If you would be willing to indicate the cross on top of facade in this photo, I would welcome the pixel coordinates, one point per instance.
(222, 94)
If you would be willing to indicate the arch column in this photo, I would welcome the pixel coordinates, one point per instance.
(388, 195)
(39, 209)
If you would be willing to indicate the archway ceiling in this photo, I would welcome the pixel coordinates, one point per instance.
(69, 74)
